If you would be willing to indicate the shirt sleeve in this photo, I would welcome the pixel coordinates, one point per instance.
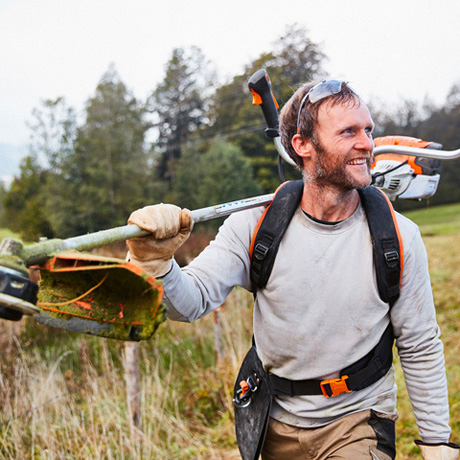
(419, 346)
(202, 286)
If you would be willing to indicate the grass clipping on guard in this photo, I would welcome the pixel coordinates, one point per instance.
(97, 290)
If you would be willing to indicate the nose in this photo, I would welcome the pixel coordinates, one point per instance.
(364, 141)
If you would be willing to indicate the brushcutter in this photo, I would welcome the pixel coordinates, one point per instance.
(404, 167)
(85, 293)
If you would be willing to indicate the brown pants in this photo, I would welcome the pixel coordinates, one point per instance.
(365, 435)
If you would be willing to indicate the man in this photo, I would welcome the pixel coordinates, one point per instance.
(320, 310)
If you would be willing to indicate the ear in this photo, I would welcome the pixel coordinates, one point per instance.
(303, 147)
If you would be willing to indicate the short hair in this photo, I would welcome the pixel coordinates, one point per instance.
(309, 117)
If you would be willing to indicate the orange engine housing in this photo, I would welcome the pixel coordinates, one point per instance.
(426, 166)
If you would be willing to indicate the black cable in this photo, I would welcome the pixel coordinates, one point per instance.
(376, 175)
(280, 169)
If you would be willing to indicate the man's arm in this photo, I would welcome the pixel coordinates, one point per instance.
(200, 288)
(419, 346)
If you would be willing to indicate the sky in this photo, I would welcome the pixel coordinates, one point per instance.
(48, 48)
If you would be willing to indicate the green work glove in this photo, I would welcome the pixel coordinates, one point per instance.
(441, 451)
(169, 225)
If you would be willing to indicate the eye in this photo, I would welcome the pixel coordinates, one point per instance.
(369, 130)
(347, 131)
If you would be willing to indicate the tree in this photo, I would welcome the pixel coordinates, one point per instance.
(24, 202)
(53, 131)
(227, 175)
(110, 160)
(221, 174)
(106, 173)
(53, 134)
(2, 197)
(295, 59)
(178, 105)
(189, 176)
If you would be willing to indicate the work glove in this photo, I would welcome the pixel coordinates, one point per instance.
(442, 451)
(169, 225)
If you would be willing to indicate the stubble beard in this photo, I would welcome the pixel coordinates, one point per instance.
(338, 177)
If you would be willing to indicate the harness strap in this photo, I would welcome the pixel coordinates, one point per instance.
(359, 375)
(386, 242)
(268, 238)
(388, 262)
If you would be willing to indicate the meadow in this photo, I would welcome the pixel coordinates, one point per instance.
(62, 395)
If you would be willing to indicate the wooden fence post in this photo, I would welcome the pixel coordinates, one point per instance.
(133, 386)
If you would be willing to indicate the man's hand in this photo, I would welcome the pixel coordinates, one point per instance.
(446, 451)
(169, 225)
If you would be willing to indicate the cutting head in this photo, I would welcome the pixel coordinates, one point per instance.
(99, 296)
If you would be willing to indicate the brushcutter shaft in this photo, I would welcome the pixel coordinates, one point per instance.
(425, 153)
(38, 253)
(222, 210)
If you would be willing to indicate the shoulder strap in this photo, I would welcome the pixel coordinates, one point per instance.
(386, 242)
(270, 230)
(383, 227)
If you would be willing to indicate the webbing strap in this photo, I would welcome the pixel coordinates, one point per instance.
(359, 375)
(269, 236)
(386, 242)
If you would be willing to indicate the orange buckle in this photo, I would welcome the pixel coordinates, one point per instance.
(244, 387)
(337, 386)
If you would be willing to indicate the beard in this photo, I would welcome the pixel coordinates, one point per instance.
(331, 172)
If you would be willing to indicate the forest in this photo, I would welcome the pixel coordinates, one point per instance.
(193, 142)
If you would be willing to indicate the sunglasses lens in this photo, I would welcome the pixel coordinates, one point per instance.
(324, 89)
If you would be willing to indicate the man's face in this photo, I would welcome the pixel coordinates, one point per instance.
(343, 146)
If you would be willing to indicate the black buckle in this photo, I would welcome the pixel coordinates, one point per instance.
(260, 251)
(392, 258)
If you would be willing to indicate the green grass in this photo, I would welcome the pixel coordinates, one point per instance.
(437, 220)
(6, 233)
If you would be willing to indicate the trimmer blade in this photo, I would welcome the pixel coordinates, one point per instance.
(100, 296)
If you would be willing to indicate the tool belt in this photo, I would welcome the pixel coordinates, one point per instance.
(254, 390)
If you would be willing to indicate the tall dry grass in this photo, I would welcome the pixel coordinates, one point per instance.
(68, 400)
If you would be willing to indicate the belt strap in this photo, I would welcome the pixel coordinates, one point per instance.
(359, 375)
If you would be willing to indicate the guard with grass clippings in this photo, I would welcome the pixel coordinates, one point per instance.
(315, 378)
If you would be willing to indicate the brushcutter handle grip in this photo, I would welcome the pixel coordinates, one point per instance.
(261, 88)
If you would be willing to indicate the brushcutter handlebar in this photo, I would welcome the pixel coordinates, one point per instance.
(261, 88)
(418, 152)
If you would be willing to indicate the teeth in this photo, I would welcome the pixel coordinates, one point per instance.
(359, 161)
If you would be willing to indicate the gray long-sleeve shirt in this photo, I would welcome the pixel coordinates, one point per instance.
(321, 312)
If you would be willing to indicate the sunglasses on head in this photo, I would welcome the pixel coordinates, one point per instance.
(320, 91)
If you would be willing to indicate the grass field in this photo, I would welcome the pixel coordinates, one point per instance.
(5, 233)
(62, 396)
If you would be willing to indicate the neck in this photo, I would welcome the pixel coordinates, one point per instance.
(328, 203)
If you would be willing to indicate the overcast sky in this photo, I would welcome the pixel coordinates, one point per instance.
(388, 49)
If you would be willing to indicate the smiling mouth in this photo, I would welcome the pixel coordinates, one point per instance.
(357, 162)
